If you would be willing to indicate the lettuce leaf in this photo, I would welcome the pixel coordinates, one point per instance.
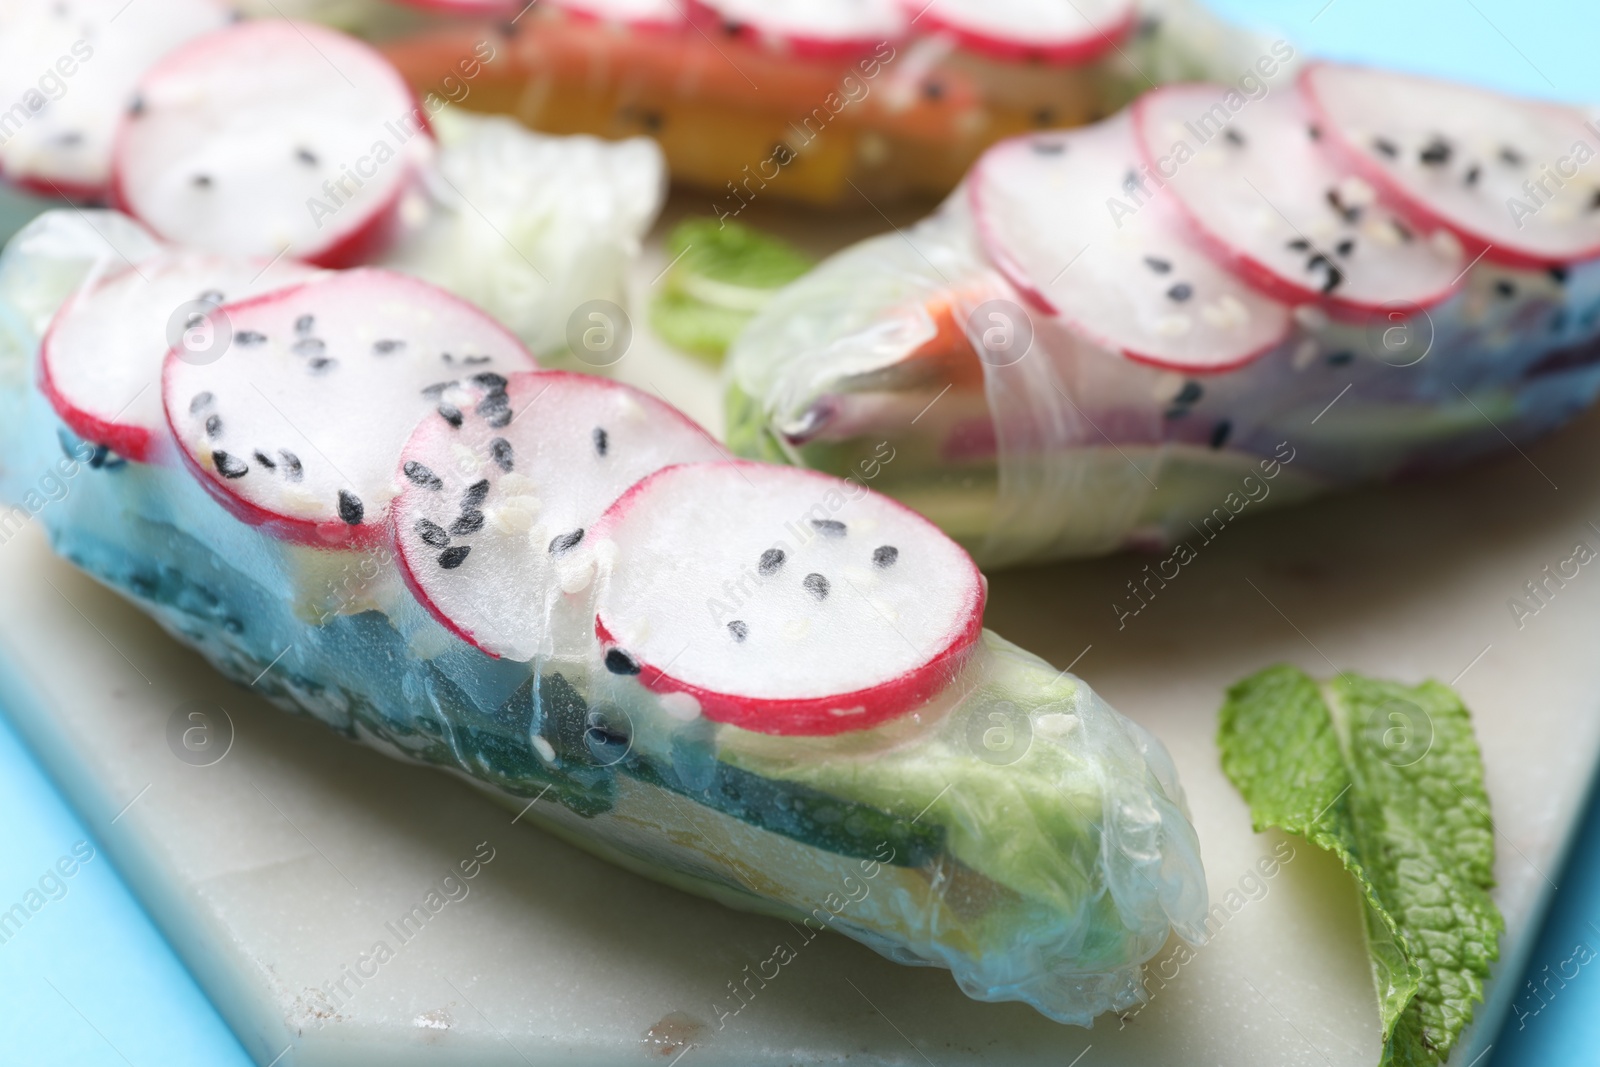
(1389, 779)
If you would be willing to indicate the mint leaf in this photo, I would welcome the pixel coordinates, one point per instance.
(1389, 779)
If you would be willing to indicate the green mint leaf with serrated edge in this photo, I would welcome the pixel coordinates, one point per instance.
(1388, 778)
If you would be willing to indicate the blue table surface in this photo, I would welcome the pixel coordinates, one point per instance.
(89, 981)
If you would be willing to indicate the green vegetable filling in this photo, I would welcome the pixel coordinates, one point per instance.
(1389, 779)
(722, 274)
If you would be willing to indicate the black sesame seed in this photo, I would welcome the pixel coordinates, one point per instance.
(1470, 178)
(213, 425)
(495, 383)
(619, 662)
(1334, 280)
(933, 90)
(1191, 392)
(320, 364)
(469, 522)
(1511, 157)
(1339, 359)
(249, 337)
(351, 509)
(1558, 275)
(602, 441)
(1594, 201)
(771, 560)
(1401, 230)
(1436, 153)
(385, 347)
(436, 390)
(476, 361)
(432, 533)
(1345, 247)
(451, 414)
(1048, 148)
(136, 107)
(229, 466)
(829, 527)
(418, 474)
(475, 495)
(211, 296)
(1386, 147)
(304, 324)
(306, 156)
(266, 461)
(201, 181)
(1219, 433)
(1130, 181)
(500, 452)
(739, 630)
(1300, 244)
(1314, 132)
(200, 402)
(1505, 289)
(1180, 292)
(1157, 264)
(309, 346)
(885, 556)
(1335, 201)
(1044, 117)
(291, 465)
(816, 585)
(565, 542)
(1232, 136)
(451, 558)
(495, 409)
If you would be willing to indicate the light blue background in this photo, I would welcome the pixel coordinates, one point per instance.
(125, 999)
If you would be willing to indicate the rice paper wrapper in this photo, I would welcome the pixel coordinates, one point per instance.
(1014, 828)
(909, 362)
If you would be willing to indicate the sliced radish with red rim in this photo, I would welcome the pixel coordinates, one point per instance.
(1263, 196)
(636, 14)
(1053, 31)
(492, 524)
(272, 138)
(818, 28)
(296, 427)
(466, 7)
(67, 71)
(1506, 174)
(1134, 281)
(782, 601)
(100, 361)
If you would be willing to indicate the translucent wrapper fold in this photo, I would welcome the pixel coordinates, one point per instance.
(1073, 449)
(1014, 829)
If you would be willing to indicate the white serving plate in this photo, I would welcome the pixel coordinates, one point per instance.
(282, 863)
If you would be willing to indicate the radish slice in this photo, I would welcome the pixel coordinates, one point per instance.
(1134, 282)
(100, 362)
(635, 14)
(493, 520)
(272, 138)
(1508, 175)
(297, 426)
(782, 601)
(1268, 201)
(1052, 31)
(67, 71)
(466, 7)
(820, 28)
